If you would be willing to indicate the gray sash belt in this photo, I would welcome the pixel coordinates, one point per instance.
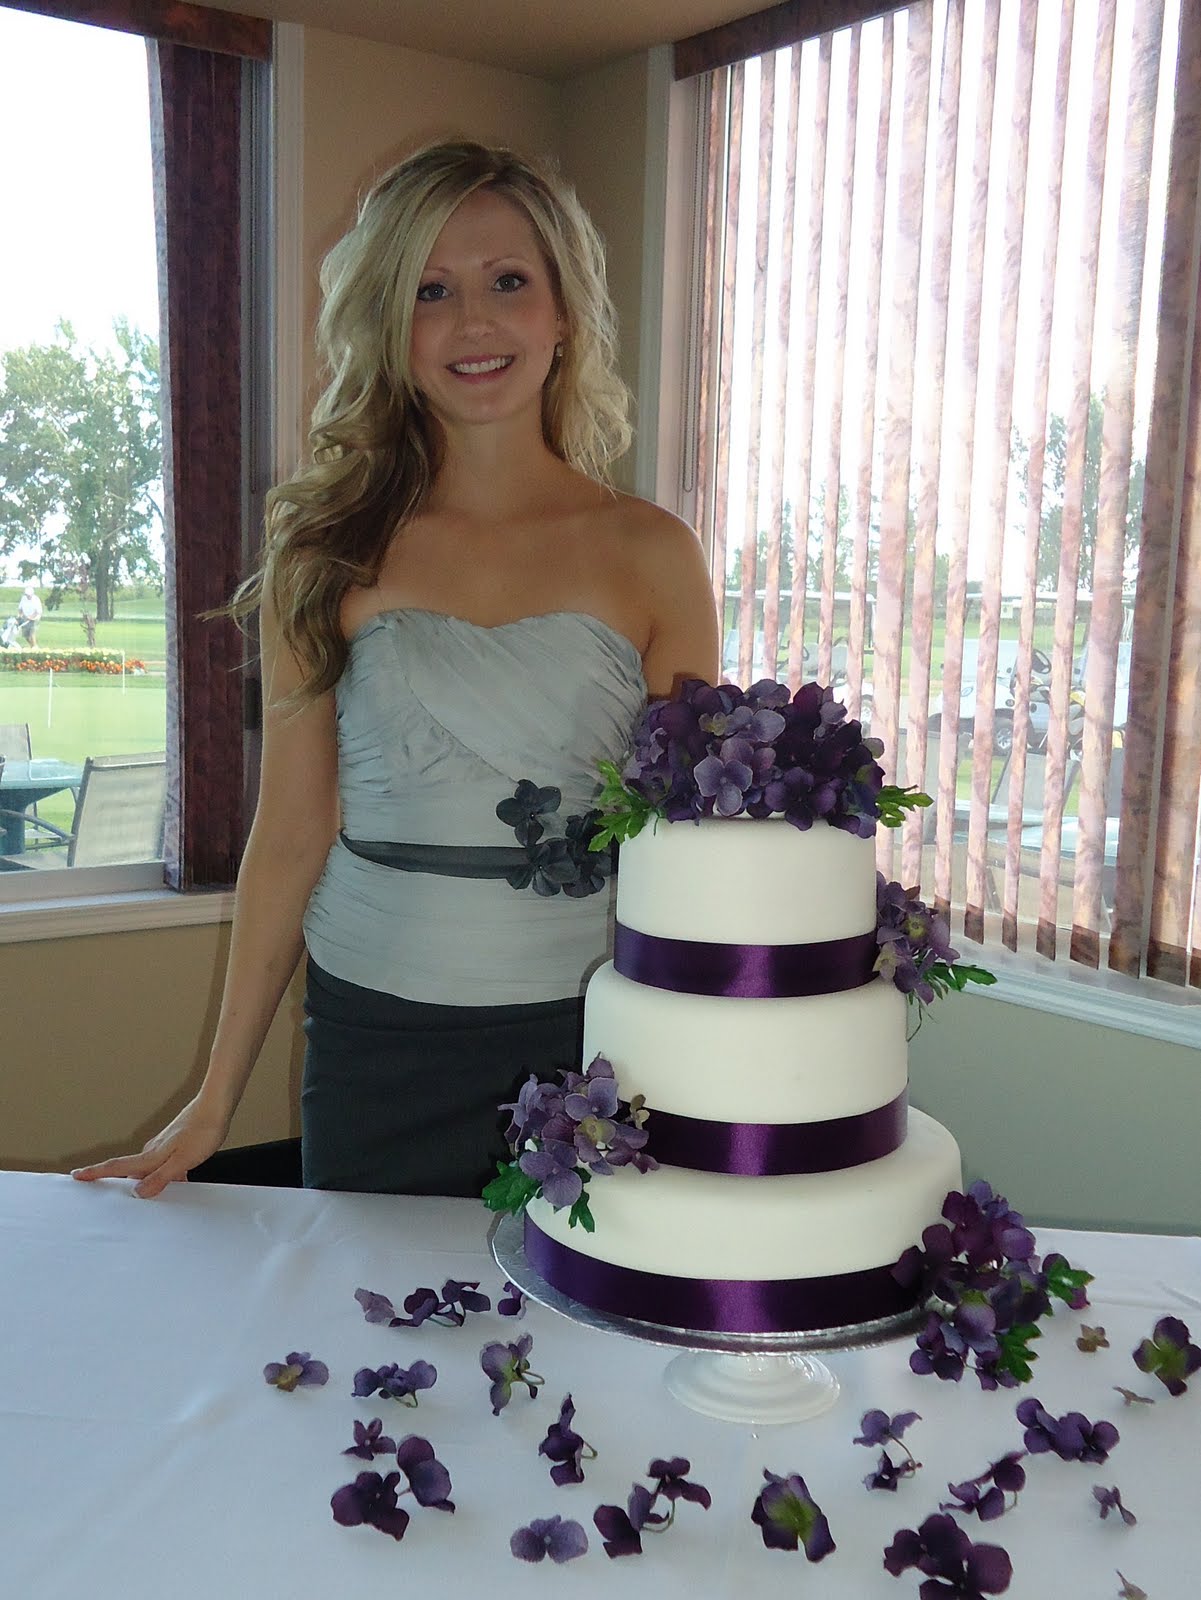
(445, 860)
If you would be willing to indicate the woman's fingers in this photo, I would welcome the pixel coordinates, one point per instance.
(119, 1167)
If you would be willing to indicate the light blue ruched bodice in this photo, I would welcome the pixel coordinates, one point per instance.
(437, 721)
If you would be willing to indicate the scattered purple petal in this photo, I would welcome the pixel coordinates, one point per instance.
(370, 1500)
(512, 1303)
(298, 1370)
(1169, 1355)
(942, 1551)
(370, 1441)
(428, 1478)
(550, 1536)
(787, 1516)
(1111, 1500)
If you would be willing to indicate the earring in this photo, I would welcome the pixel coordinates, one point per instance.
(559, 351)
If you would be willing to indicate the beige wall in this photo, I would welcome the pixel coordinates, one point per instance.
(107, 1036)
(603, 123)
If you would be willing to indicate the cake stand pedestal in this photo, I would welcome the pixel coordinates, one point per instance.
(751, 1378)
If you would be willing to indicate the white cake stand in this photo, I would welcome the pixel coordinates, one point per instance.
(751, 1378)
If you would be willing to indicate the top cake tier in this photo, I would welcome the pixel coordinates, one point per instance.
(740, 880)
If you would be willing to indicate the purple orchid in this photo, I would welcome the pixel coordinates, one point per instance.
(725, 776)
(565, 1447)
(1169, 1355)
(395, 1382)
(953, 1566)
(549, 1536)
(980, 1264)
(787, 1515)
(1072, 1437)
(298, 1370)
(1111, 1500)
(877, 1428)
(371, 1500)
(506, 1365)
(1006, 1476)
(512, 1301)
(554, 1167)
(370, 1441)
(888, 1473)
(672, 1481)
(621, 1531)
(428, 1479)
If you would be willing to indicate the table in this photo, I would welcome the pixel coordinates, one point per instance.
(22, 783)
(142, 1453)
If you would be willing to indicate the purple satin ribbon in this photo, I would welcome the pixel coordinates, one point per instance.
(750, 971)
(771, 1149)
(717, 1305)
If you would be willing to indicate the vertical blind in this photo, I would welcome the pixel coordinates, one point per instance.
(950, 453)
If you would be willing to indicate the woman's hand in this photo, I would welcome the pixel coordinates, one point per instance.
(187, 1140)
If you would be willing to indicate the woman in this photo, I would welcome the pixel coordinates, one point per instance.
(452, 600)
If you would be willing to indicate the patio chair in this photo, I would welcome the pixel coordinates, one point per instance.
(118, 817)
(17, 745)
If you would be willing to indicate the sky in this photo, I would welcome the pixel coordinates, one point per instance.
(79, 219)
(77, 201)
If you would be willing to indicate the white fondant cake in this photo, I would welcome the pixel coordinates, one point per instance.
(818, 1079)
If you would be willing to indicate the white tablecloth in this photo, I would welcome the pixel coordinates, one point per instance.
(142, 1455)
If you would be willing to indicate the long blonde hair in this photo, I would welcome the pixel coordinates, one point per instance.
(374, 450)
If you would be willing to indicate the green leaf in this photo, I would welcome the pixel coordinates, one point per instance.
(979, 975)
(1063, 1280)
(893, 803)
(624, 813)
(511, 1190)
(580, 1215)
(1016, 1355)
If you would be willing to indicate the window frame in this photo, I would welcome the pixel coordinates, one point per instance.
(40, 905)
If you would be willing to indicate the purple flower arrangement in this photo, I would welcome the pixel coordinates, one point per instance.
(989, 1287)
(563, 1135)
(761, 752)
(915, 947)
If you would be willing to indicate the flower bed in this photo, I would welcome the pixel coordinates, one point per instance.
(93, 661)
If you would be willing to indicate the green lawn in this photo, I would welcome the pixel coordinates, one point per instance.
(84, 716)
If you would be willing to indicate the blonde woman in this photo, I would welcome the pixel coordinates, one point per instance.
(453, 602)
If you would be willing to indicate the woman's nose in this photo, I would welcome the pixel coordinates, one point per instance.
(475, 311)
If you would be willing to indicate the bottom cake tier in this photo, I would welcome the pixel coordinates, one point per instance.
(750, 1255)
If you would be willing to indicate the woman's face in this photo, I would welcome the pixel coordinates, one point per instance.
(486, 321)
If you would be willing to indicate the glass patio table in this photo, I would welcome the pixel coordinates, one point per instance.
(22, 783)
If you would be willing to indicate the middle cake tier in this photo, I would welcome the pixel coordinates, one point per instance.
(807, 1059)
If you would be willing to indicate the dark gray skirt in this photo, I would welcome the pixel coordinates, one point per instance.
(400, 1097)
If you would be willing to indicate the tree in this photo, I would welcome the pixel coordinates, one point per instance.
(81, 461)
(1054, 478)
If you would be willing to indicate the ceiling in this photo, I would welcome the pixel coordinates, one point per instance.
(546, 38)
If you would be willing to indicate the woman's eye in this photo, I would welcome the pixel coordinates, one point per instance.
(509, 281)
(431, 292)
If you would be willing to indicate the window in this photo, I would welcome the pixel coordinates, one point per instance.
(164, 449)
(947, 440)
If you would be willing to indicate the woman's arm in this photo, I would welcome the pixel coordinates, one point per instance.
(294, 825)
(678, 592)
